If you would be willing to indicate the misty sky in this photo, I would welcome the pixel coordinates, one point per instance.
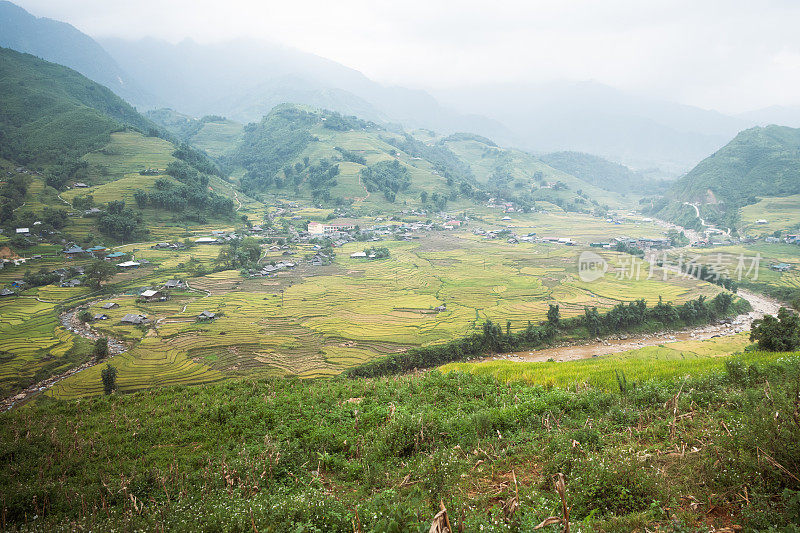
(729, 55)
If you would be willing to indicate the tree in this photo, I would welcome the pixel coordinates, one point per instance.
(240, 253)
(593, 321)
(100, 350)
(109, 377)
(553, 315)
(781, 334)
(98, 271)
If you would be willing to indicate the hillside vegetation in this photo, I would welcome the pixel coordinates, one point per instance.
(49, 113)
(693, 454)
(599, 172)
(758, 162)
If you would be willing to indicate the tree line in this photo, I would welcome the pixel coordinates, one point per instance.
(492, 338)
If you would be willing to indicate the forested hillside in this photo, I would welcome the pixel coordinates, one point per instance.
(51, 114)
(598, 171)
(62, 43)
(337, 159)
(759, 162)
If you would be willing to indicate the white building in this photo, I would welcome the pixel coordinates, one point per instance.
(317, 228)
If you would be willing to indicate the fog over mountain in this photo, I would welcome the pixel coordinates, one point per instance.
(519, 84)
(251, 77)
(591, 117)
(62, 43)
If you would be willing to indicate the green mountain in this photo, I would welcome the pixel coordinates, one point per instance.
(215, 135)
(301, 152)
(50, 113)
(596, 170)
(64, 44)
(758, 162)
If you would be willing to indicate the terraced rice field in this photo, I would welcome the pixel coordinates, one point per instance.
(316, 322)
(30, 340)
(784, 214)
(759, 257)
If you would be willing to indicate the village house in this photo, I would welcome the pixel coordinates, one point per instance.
(781, 267)
(206, 315)
(135, 319)
(206, 240)
(174, 284)
(128, 264)
(100, 317)
(110, 305)
(151, 295)
(74, 251)
(7, 292)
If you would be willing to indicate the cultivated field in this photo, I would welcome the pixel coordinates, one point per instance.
(316, 322)
(668, 362)
(780, 213)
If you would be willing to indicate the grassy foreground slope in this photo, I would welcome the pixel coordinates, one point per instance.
(698, 454)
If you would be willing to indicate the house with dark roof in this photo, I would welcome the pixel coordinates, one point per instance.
(135, 319)
(74, 251)
(110, 305)
(781, 267)
(174, 284)
(206, 315)
(7, 292)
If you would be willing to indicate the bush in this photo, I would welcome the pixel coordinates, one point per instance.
(109, 377)
(100, 350)
(781, 334)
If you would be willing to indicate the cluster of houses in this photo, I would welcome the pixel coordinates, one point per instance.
(175, 246)
(68, 277)
(271, 270)
(505, 207)
(641, 243)
(99, 251)
(788, 239)
(319, 229)
(781, 267)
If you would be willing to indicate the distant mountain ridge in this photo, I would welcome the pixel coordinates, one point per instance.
(593, 118)
(244, 79)
(62, 43)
